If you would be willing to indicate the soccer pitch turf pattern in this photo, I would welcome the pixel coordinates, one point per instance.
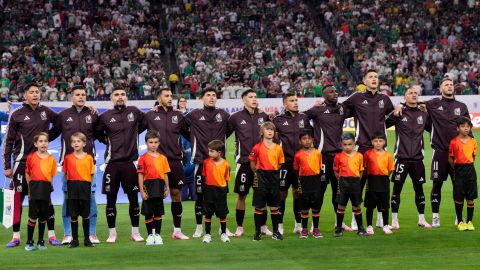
(410, 247)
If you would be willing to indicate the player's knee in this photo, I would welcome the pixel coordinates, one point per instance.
(241, 198)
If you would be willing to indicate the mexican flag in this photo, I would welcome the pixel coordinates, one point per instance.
(9, 207)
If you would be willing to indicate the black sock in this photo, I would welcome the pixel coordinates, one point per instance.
(459, 211)
(358, 219)
(16, 226)
(420, 202)
(111, 213)
(74, 225)
(134, 212)
(395, 203)
(264, 217)
(198, 210)
(369, 217)
(149, 225)
(282, 211)
(315, 218)
(223, 225)
(275, 216)
(436, 196)
(297, 211)
(51, 218)
(385, 217)
(30, 229)
(177, 210)
(304, 220)
(470, 208)
(157, 224)
(240, 215)
(258, 218)
(208, 225)
(340, 216)
(86, 228)
(41, 229)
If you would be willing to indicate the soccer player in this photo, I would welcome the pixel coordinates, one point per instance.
(40, 168)
(378, 164)
(79, 168)
(462, 152)
(206, 124)
(288, 125)
(25, 122)
(328, 123)
(308, 163)
(266, 159)
(170, 124)
(216, 172)
(348, 168)
(78, 118)
(408, 152)
(118, 128)
(153, 169)
(246, 124)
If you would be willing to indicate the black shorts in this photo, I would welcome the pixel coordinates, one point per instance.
(288, 177)
(311, 200)
(79, 190)
(440, 167)
(19, 180)
(153, 207)
(375, 199)
(120, 173)
(155, 188)
(414, 168)
(78, 207)
(267, 193)
(465, 182)
(243, 178)
(349, 188)
(176, 176)
(199, 179)
(38, 209)
(215, 201)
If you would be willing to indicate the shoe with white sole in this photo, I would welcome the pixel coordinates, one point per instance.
(424, 224)
(395, 225)
(198, 232)
(179, 235)
(150, 240)
(67, 239)
(386, 229)
(136, 237)
(436, 222)
(207, 239)
(346, 228)
(238, 232)
(112, 236)
(158, 239)
(370, 230)
(297, 229)
(265, 231)
(94, 239)
(280, 228)
(224, 237)
(228, 232)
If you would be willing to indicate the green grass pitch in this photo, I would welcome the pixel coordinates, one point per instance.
(409, 248)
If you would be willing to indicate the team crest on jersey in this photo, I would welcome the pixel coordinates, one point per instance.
(88, 119)
(381, 105)
(456, 111)
(175, 119)
(420, 120)
(301, 124)
(260, 121)
(19, 188)
(130, 117)
(397, 177)
(43, 115)
(218, 117)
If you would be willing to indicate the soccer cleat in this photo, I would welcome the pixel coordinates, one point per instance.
(362, 232)
(238, 232)
(277, 236)
(395, 225)
(41, 245)
(257, 236)
(338, 232)
(436, 222)
(346, 228)
(228, 232)
(13, 243)
(424, 224)
(54, 242)
(470, 226)
(112, 236)
(207, 239)
(136, 237)
(280, 228)
(29, 246)
(386, 229)
(316, 233)
(462, 226)
(88, 243)
(298, 228)
(198, 232)
(158, 239)
(379, 220)
(304, 233)
(224, 237)
(354, 223)
(370, 230)
(265, 231)
(150, 240)
(179, 235)
(66, 240)
(94, 239)
(73, 244)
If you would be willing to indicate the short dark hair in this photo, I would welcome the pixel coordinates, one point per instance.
(206, 90)
(368, 71)
(347, 136)
(379, 135)
(161, 90)
(118, 87)
(152, 134)
(78, 87)
(304, 132)
(246, 92)
(287, 95)
(217, 145)
(28, 86)
(37, 136)
(464, 120)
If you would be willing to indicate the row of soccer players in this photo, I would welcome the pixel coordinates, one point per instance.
(119, 128)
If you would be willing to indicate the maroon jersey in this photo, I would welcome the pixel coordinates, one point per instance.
(118, 128)
(288, 129)
(170, 124)
(70, 121)
(328, 123)
(369, 111)
(444, 114)
(23, 125)
(206, 125)
(247, 132)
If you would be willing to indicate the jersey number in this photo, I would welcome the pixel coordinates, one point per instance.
(107, 178)
(243, 177)
(20, 178)
(284, 175)
(400, 168)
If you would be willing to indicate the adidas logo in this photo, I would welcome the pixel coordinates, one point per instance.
(180, 182)
(421, 179)
(157, 118)
(286, 123)
(365, 102)
(327, 111)
(243, 122)
(26, 118)
(404, 119)
(135, 188)
(202, 118)
(113, 120)
(440, 108)
(69, 119)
